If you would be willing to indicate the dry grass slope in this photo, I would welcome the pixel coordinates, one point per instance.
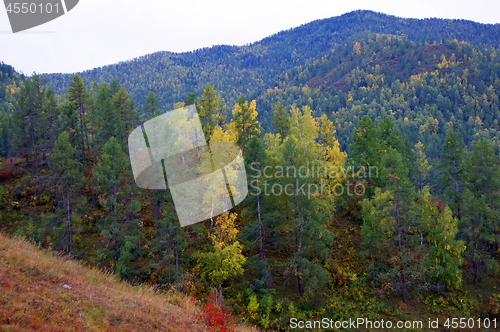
(32, 297)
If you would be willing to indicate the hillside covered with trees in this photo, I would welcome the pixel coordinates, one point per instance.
(371, 146)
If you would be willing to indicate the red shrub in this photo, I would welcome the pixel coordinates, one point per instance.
(217, 317)
(6, 176)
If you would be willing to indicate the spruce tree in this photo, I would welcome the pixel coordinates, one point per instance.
(245, 121)
(255, 161)
(78, 96)
(281, 120)
(394, 209)
(211, 109)
(366, 149)
(109, 174)
(27, 119)
(68, 177)
(107, 121)
(452, 167)
(480, 223)
(150, 109)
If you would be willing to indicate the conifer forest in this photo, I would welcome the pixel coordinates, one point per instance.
(371, 148)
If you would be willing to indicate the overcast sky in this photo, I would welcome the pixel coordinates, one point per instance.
(100, 32)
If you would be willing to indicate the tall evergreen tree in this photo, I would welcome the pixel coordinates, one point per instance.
(27, 119)
(394, 208)
(78, 96)
(281, 120)
(50, 120)
(255, 161)
(441, 250)
(150, 108)
(366, 148)
(124, 107)
(109, 174)
(245, 121)
(480, 221)
(452, 166)
(306, 209)
(190, 99)
(107, 121)
(211, 109)
(68, 177)
(422, 166)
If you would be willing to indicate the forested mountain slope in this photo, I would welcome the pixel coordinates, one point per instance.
(319, 234)
(249, 70)
(425, 88)
(10, 82)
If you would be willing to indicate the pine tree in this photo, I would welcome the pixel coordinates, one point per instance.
(389, 136)
(27, 119)
(422, 166)
(255, 161)
(69, 122)
(441, 250)
(109, 174)
(245, 121)
(68, 177)
(307, 212)
(452, 165)
(50, 120)
(78, 96)
(106, 120)
(366, 149)
(372, 229)
(190, 99)
(480, 220)
(150, 108)
(395, 210)
(124, 107)
(281, 120)
(211, 109)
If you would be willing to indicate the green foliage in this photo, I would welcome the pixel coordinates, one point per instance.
(109, 173)
(452, 166)
(326, 87)
(150, 107)
(253, 307)
(480, 222)
(221, 265)
(211, 109)
(67, 176)
(106, 120)
(10, 83)
(281, 120)
(245, 121)
(27, 118)
(444, 255)
(394, 209)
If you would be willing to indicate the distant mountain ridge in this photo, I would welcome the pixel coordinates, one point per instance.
(249, 70)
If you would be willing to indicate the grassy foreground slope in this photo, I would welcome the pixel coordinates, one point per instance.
(34, 296)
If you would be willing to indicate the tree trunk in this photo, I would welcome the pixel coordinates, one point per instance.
(34, 151)
(70, 237)
(81, 130)
(400, 244)
(456, 187)
(261, 230)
